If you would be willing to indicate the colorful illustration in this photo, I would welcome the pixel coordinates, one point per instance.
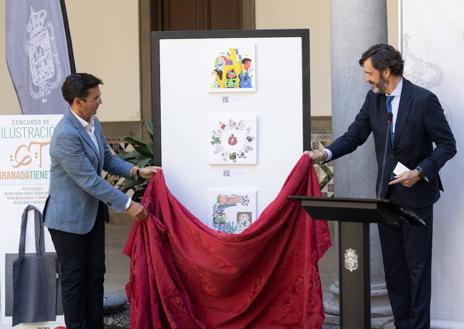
(244, 219)
(231, 211)
(234, 71)
(233, 140)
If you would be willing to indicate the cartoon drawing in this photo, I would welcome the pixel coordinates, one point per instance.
(233, 140)
(243, 220)
(234, 71)
(231, 211)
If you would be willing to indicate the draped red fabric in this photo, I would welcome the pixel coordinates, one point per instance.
(184, 274)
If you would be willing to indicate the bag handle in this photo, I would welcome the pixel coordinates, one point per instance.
(38, 230)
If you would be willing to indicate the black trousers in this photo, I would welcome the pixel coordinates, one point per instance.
(82, 260)
(407, 258)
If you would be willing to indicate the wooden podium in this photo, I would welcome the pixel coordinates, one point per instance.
(353, 217)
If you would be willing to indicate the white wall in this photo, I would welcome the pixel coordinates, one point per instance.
(312, 14)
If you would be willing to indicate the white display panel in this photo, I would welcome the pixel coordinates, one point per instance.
(186, 107)
(433, 48)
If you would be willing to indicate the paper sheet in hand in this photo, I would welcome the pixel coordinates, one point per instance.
(399, 169)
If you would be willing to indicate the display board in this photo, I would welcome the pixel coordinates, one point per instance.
(432, 43)
(231, 114)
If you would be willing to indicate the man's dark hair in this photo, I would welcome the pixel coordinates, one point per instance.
(384, 56)
(77, 85)
(246, 59)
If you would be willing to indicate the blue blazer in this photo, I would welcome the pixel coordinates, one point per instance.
(419, 124)
(76, 184)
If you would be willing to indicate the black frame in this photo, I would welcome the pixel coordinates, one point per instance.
(156, 36)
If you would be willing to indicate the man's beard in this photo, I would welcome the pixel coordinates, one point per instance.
(380, 87)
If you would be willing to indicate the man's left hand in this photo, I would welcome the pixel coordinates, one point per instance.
(407, 178)
(147, 172)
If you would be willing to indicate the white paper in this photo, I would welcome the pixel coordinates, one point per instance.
(400, 168)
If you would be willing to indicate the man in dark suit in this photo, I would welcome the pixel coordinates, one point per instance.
(405, 120)
(77, 206)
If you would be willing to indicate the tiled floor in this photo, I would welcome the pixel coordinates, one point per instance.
(117, 264)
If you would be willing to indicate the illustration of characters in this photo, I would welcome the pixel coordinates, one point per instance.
(244, 76)
(243, 220)
(219, 65)
(232, 79)
(232, 70)
(224, 201)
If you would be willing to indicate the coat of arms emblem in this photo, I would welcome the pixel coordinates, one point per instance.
(351, 260)
(42, 51)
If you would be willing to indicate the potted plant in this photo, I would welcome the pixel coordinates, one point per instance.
(141, 155)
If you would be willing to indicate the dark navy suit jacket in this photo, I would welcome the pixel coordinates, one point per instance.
(420, 124)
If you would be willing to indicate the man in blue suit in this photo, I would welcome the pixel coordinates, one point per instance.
(406, 120)
(77, 206)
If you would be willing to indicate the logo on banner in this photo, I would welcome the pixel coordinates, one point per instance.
(25, 141)
(42, 51)
(25, 154)
(351, 260)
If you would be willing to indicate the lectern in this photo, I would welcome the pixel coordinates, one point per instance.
(353, 217)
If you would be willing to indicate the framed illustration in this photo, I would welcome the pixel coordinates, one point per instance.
(232, 139)
(231, 211)
(233, 69)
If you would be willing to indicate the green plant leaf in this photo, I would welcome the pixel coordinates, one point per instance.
(149, 127)
(144, 162)
(137, 196)
(135, 141)
(142, 155)
(143, 149)
(129, 183)
(128, 156)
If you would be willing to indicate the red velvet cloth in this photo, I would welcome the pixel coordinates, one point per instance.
(184, 274)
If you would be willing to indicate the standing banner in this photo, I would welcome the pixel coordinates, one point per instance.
(38, 53)
(24, 179)
(433, 48)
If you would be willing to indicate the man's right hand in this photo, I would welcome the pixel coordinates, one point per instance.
(137, 211)
(317, 155)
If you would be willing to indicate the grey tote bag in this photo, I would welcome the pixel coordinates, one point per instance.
(33, 291)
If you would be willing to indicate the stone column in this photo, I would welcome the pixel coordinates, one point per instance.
(356, 25)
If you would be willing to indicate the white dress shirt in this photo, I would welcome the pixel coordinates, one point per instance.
(396, 102)
(90, 129)
(395, 105)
